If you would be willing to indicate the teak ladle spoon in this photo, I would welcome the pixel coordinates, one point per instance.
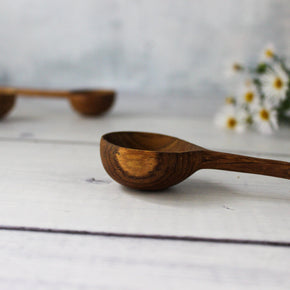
(85, 102)
(149, 161)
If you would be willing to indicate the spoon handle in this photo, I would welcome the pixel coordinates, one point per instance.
(35, 92)
(240, 163)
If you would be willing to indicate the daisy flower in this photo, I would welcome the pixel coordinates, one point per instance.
(233, 68)
(249, 83)
(275, 84)
(231, 119)
(268, 53)
(265, 118)
(249, 95)
(230, 101)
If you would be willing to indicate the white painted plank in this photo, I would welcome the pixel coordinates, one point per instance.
(53, 120)
(49, 261)
(47, 185)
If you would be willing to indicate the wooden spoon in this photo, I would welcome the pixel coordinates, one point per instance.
(85, 102)
(151, 161)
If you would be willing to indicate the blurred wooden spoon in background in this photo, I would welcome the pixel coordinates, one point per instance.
(85, 102)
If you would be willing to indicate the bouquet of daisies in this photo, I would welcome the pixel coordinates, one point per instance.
(263, 102)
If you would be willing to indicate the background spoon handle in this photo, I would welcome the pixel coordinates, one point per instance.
(240, 163)
(35, 92)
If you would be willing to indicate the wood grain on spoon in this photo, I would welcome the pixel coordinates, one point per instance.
(151, 161)
(85, 102)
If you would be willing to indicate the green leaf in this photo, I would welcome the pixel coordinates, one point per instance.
(261, 68)
(284, 120)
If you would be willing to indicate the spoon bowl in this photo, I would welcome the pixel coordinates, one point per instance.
(7, 102)
(92, 102)
(150, 161)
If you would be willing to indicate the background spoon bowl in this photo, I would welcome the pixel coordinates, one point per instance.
(7, 102)
(92, 103)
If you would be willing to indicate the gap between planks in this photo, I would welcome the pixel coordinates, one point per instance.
(147, 236)
(90, 143)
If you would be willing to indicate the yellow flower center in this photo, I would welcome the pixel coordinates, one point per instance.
(264, 115)
(249, 96)
(269, 53)
(231, 123)
(278, 83)
(237, 66)
(230, 100)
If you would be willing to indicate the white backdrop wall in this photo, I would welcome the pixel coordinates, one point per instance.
(165, 46)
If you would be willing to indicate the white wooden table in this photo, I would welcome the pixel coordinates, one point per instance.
(64, 224)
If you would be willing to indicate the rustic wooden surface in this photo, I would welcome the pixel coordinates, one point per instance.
(59, 209)
(47, 261)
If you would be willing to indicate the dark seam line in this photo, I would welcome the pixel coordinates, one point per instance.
(145, 236)
(91, 143)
